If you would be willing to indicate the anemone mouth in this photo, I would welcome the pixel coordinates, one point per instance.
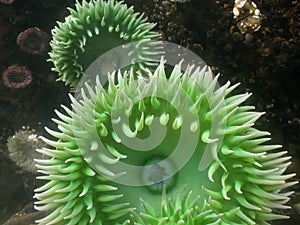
(98, 160)
(156, 175)
(95, 27)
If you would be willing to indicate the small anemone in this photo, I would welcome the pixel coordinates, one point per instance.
(95, 27)
(121, 155)
(17, 77)
(22, 149)
(33, 41)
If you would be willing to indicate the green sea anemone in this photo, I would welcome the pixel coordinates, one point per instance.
(163, 149)
(95, 27)
(22, 149)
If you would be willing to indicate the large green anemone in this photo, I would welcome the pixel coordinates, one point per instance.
(95, 27)
(163, 149)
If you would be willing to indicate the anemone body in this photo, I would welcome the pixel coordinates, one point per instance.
(95, 27)
(17, 77)
(22, 149)
(241, 184)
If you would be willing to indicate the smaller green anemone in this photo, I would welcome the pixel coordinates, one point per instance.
(123, 155)
(95, 27)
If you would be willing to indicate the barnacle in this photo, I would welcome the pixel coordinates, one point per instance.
(162, 149)
(95, 27)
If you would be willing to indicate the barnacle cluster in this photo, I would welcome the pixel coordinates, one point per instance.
(247, 15)
(22, 149)
(95, 27)
(94, 152)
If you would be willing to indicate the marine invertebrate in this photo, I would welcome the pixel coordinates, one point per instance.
(22, 149)
(17, 77)
(93, 28)
(7, 1)
(147, 138)
(33, 41)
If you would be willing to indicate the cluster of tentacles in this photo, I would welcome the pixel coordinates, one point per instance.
(95, 143)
